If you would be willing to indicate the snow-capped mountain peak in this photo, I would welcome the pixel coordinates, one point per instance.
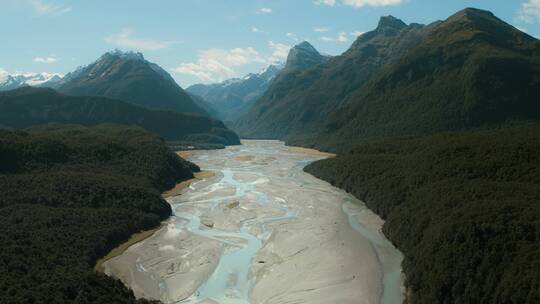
(15, 81)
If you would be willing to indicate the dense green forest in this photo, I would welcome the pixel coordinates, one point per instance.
(464, 208)
(472, 70)
(27, 107)
(69, 195)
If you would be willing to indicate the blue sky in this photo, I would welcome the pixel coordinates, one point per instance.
(208, 40)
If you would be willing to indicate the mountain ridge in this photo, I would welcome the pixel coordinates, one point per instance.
(297, 103)
(400, 81)
(15, 81)
(231, 98)
(129, 77)
(26, 107)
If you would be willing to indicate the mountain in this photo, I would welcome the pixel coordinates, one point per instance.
(15, 81)
(301, 99)
(463, 208)
(129, 77)
(303, 56)
(205, 105)
(471, 70)
(26, 107)
(234, 97)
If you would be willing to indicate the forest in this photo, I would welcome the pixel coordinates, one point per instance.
(27, 107)
(69, 195)
(464, 208)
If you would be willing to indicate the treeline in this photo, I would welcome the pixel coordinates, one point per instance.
(464, 208)
(27, 107)
(69, 195)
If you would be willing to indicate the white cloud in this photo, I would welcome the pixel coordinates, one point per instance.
(218, 64)
(359, 3)
(215, 65)
(292, 36)
(325, 2)
(45, 59)
(124, 39)
(3, 75)
(280, 52)
(340, 37)
(530, 11)
(357, 34)
(264, 10)
(41, 8)
(321, 29)
(255, 30)
(362, 3)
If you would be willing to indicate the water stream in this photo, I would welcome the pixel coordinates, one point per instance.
(263, 231)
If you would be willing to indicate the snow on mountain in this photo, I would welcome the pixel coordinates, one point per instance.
(15, 81)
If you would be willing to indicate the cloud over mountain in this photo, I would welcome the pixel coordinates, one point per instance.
(124, 39)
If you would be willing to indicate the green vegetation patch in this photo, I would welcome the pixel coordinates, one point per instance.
(464, 208)
(70, 194)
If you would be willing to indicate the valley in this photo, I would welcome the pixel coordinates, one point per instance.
(371, 159)
(263, 231)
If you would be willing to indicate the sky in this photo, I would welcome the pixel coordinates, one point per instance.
(206, 41)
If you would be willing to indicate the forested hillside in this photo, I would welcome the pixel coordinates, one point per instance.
(69, 195)
(472, 70)
(28, 107)
(464, 208)
(300, 101)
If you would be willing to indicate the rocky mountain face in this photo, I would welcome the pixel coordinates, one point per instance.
(234, 97)
(131, 78)
(304, 56)
(471, 70)
(27, 106)
(300, 100)
(45, 80)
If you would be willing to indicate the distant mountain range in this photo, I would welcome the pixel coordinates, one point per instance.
(232, 98)
(472, 70)
(129, 77)
(302, 58)
(15, 81)
(27, 106)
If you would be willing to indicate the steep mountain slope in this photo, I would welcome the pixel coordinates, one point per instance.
(129, 77)
(27, 107)
(234, 97)
(45, 80)
(298, 101)
(303, 56)
(464, 208)
(472, 70)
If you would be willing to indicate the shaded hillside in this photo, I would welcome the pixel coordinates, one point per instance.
(471, 71)
(205, 105)
(463, 208)
(129, 77)
(27, 107)
(71, 194)
(234, 97)
(299, 102)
